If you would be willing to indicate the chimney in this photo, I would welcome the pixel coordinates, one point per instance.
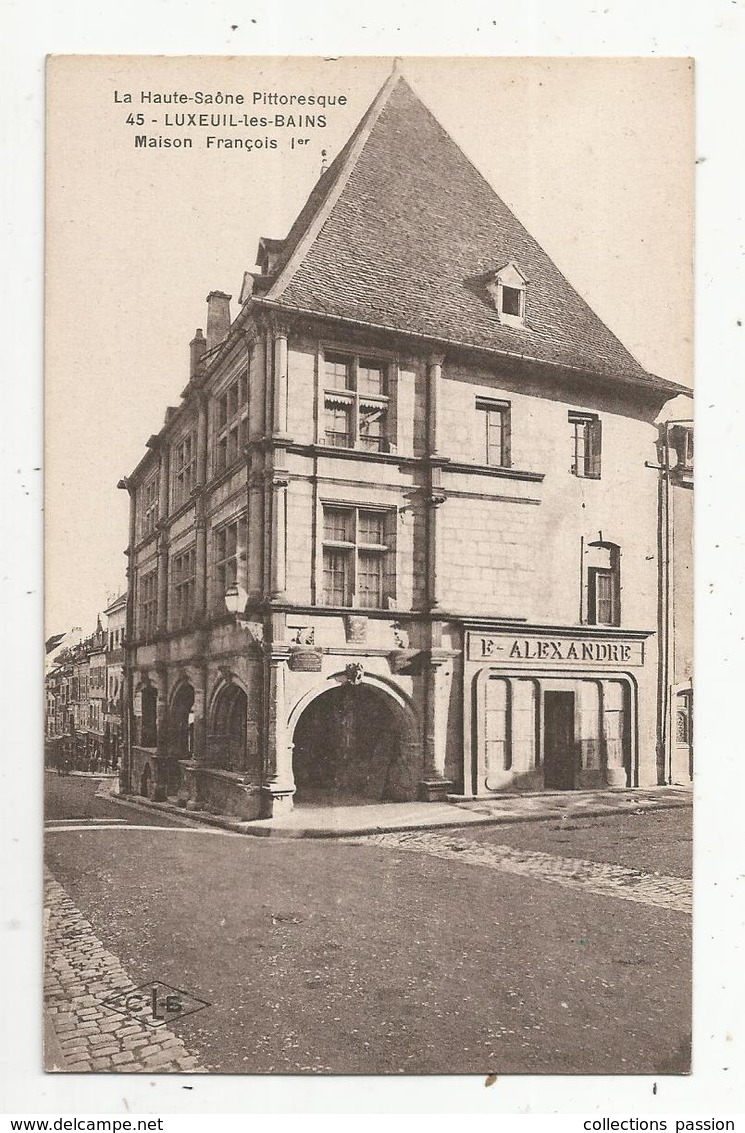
(218, 317)
(197, 348)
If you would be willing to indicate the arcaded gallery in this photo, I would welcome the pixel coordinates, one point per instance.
(400, 538)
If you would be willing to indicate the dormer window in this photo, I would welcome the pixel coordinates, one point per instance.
(508, 289)
(268, 254)
(511, 301)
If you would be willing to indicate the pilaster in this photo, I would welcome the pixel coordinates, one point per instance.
(278, 787)
(200, 561)
(434, 404)
(279, 483)
(162, 581)
(162, 744)
(280, 380)
(438, 671)
(612, 718)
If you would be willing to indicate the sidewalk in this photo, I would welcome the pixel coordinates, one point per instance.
(83, 774)
(377, 818)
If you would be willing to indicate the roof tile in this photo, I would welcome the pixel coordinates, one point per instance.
(410, 238)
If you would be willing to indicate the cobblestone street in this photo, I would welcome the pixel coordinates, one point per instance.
(335, 955)
(592, 877)
(79, 974)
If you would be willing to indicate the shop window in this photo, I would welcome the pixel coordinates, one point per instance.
(497, 726)
(683, 718)
(231, 424)
(586, 439)
(495, 431)
(358, 557)
(355, 403)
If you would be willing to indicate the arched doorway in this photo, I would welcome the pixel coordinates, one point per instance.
(180, 722)
(227, 741)
(146, 782)
(149, 721)
(348, 746)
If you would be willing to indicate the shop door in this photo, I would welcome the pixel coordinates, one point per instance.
(559, 754)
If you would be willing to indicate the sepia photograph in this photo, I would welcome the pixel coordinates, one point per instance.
(369, 710)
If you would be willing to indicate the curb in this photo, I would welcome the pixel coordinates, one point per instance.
(236, 826)
(53, 1059)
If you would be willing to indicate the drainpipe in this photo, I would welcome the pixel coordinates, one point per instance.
(666, 534)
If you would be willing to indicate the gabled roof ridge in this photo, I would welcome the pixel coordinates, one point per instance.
(399, 232)
(533, 239)
(336, 177)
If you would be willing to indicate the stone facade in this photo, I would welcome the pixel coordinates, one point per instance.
(371, 562)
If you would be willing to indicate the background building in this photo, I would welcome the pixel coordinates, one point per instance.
(83, 719)
(116, 615)
(400, 537)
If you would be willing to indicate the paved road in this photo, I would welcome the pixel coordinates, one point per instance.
(364, 956)
(68, 797)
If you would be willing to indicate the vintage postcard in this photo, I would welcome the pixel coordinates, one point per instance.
(369, 496)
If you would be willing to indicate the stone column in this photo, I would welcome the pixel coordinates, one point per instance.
(162, 739)
(189, 793)
(255, 522)
(199, 751)
(202, 440)
(434, 501)
(434, 404)
(278, 787)
(200, 562)
(254, 471)
(163, 482)
(434, 785)
(278, 554)
(613, 729)
(162, 582)
(280, 381)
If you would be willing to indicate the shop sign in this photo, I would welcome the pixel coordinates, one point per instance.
(543, 650)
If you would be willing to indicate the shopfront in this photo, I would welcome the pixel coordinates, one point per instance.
(554, 709)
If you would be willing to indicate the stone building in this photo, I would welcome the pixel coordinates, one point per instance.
(116, 615)
(95, 648)
(400, 537)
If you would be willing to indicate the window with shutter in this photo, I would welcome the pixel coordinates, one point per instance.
(496, 431)
(603, 597)
(586, 435)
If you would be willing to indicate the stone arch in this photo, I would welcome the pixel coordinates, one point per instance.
(355, 740)
(227, 747)
(180, 720)
(149, 715)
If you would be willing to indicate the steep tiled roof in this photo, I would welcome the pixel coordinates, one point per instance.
(402, 231)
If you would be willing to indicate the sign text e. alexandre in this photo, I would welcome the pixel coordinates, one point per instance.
(532, 649)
